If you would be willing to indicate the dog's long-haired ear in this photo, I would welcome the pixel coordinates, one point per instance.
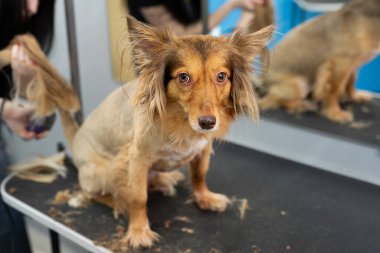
(147, 42)
(150, 52)
(251, 44)
(246, 48)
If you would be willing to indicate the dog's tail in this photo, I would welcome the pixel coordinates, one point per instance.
(263, 16)
(70, 126)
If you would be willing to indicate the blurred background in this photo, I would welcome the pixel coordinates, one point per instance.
(100, 25)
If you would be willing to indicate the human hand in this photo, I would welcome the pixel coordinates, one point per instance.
(247, 4)
(17, 118)
(23, 66)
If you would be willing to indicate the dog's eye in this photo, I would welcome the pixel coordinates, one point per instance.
(221, 77)
(184, 78)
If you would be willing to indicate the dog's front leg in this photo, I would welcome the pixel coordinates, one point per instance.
(203, 196)
(333, 76)
(131, 194)
(355, 95)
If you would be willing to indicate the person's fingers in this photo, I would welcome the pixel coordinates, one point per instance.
(29, 109)
(14, 52)
(20, 61)
(19, 54)
(27, 135)
(16, 56)
(23, 55)
(41, 135)
(28, 60)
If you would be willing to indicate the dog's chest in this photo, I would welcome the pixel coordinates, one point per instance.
(175, 156)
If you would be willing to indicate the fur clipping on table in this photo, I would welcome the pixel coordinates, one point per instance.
(41, 169)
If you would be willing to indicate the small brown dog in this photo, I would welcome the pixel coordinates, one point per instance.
(319, 59)
(188, 92)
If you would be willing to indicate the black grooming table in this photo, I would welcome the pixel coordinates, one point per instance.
(365, 129)
(293, 208)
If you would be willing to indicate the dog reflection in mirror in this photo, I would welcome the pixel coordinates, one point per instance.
(316, 63)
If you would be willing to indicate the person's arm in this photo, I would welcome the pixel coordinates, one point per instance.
(17, 119)
(159, 15)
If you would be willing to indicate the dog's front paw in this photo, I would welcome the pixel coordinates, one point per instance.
(302, 106)
(212, 201)
(339, 115)
(362, 97)
(141, 237)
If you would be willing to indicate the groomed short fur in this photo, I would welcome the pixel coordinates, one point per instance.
(188, 92)
(316, 63)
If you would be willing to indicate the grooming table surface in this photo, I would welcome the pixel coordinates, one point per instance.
(367, 115)
(293, 208)
(325, 1)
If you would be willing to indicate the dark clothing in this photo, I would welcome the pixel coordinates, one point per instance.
(184, 11)
(13, 238)
(6, 82)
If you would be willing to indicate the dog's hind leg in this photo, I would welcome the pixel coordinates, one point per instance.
(290, 92)
(355, 95)
(93, 179)
(94, 174)
(203, 196)
(130, 193)
(165, 182)
(297, 106)
(331, 80)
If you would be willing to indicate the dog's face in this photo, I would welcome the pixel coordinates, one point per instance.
(207, 78)
(199, 80)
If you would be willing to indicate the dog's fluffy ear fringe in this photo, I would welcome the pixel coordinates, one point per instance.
(147, 42)
(150, 55)
(250, 44)
(247, 47)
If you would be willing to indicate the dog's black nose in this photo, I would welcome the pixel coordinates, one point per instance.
(207, 122)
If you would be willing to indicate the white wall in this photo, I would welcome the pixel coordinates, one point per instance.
(95, 69)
